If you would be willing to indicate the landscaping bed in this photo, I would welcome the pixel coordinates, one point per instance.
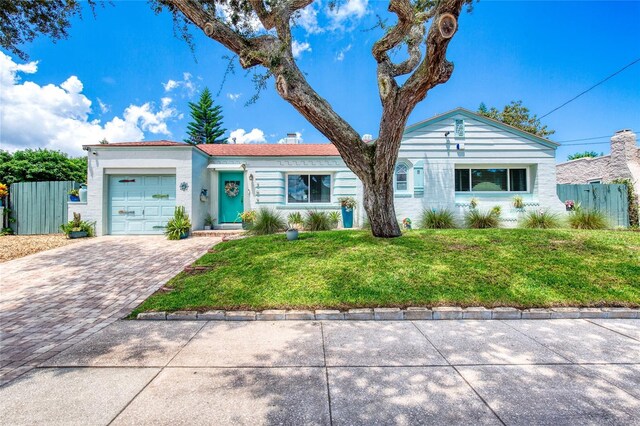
(340, 269)
(15, 246)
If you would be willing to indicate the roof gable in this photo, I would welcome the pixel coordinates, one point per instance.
(483, 119)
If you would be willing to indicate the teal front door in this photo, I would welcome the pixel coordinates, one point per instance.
(231, 196)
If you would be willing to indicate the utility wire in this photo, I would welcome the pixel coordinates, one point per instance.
(585, 139)
(592, 87)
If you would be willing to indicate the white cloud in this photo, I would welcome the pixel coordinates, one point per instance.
(104, 108)
(307, 18)
(343, 13)
(186, 83)
(58, 117)
(240, 136)
(251, 23)
(342, 52)
(298, 48)
(297, 139)
(234, 96)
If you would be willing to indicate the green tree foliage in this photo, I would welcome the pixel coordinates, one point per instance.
(41, 165)
(22, 20)
(518, 116)
(206, 124)
(586, 154)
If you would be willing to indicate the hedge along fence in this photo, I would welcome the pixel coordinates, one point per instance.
(39, 207)
(610, 199)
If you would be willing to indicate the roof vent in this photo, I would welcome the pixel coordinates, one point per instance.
(623, 131)
(367, 138)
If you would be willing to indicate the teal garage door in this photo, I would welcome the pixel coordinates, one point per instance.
(140, 204)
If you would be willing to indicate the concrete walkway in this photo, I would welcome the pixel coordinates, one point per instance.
(520, 372)
(53, 299)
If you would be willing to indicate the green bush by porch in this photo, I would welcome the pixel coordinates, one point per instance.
(344, 269)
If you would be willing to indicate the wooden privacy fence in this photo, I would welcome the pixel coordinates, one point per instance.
(611, 199)
(39, 207)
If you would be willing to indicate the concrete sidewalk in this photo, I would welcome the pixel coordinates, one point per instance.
(338, 372)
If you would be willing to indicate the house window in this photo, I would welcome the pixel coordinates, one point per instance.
(594, 181)
(401, 177)
(308, 188)
(491, 180)
(459, 129)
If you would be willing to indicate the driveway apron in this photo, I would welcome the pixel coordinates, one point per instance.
(54, 299)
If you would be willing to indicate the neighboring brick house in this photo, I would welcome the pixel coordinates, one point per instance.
(623, 162)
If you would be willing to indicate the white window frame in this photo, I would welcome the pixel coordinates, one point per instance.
(508, 168)
(286, 188)
(395, 178)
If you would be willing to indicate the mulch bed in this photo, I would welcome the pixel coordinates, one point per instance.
(15, 246)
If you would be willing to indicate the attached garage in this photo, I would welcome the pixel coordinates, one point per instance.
(140, 204)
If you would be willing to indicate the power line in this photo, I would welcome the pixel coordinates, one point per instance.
(585, 139)
(592, 87)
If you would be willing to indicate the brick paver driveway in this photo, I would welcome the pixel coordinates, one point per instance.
(53, 299)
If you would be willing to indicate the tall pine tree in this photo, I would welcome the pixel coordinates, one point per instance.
(206, 124)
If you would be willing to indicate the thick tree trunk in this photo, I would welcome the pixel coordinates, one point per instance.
(378, 203)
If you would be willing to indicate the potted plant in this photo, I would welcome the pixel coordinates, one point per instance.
(406, 223)
(569, 205)
(3, 192)
(518, 202)
(179, 225)
(208, 222)
(295, 220)
(77, 228)
(74, 195)
(347, 205)
(292, 233)
(247, 218)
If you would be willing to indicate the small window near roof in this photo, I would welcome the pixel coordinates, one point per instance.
(401, 177)
(459, 131)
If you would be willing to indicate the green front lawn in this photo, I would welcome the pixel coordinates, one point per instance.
(343, 269)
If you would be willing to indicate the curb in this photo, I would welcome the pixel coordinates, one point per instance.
(395, 314)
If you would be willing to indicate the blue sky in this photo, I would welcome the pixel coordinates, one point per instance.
(542, 53)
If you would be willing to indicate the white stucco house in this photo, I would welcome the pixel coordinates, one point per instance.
(444, 162)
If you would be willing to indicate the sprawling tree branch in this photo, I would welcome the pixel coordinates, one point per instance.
(373, 163)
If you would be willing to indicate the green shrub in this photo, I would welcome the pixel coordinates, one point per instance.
(482, 220)
(267, 222)
(295, 218)
(437, 219)
(587, 219)
(178, 225)
(540, 220)
(334, 218)
(75, 225)
(317, 221)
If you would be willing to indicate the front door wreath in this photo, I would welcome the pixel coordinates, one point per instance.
(232, 189)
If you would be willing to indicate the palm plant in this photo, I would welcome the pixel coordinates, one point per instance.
(540, 220)
(267, 221)
(317, 221)
(587, 219)
(179, 225)
(437, 219)
(482, 220)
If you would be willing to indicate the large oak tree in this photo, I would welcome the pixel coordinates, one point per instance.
(423, 27)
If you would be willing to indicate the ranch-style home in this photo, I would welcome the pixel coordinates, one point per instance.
(444, 163)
